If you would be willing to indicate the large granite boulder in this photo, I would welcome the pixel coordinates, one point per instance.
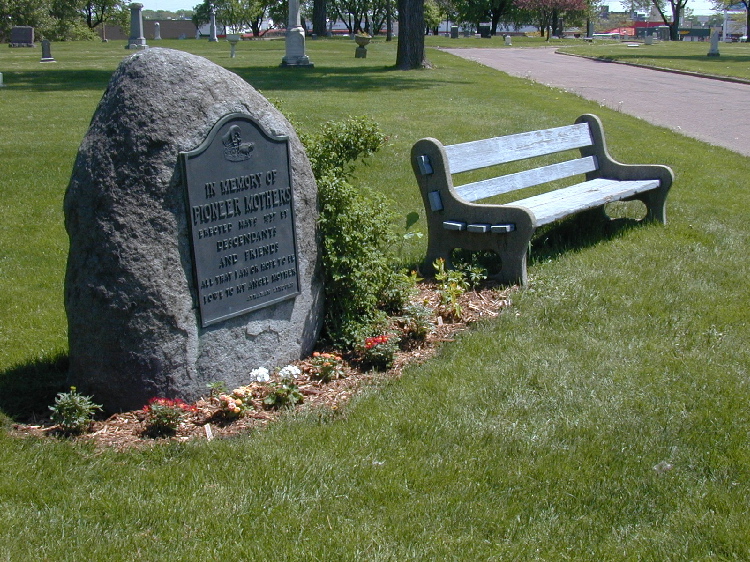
(131, 289)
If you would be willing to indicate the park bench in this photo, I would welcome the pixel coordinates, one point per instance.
(455, 220)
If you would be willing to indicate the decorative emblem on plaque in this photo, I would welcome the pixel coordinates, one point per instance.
(241, 215)
(234, 149)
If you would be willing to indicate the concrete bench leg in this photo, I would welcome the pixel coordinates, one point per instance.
(434, 253)
(656, 205)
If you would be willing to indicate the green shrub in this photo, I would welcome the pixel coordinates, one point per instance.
(73, 412)
(400, 287)
(357, 230)
(338, 145)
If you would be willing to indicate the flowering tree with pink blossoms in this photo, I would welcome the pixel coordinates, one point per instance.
(549, 12)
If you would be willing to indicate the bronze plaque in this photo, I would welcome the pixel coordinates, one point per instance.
(239, 187)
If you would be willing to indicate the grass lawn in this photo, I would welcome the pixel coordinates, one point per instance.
(604, 416)
(734, 59)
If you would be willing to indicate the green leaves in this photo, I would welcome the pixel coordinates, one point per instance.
(73, 412)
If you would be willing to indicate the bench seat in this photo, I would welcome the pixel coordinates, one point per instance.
(457, 219)
(560, 203)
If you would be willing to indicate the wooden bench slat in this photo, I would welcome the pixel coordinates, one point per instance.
(499, 150)
(528, 178)
(557, 204)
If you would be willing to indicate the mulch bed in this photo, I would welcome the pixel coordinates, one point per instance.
(128, 429)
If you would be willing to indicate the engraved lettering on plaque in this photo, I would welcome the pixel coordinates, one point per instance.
(241, 215)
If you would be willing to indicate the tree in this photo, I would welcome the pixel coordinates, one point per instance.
(23, 12)
(96, 12)
(550, 12)
(319, 16)
(410, 50)
(477, 11)
(677, 7)
(235, 14)
(432, 16)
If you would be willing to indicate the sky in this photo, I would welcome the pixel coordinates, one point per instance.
(699, 7)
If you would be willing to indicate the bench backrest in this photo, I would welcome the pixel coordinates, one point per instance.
(501, 150)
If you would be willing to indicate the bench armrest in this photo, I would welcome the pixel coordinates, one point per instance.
(611, 168)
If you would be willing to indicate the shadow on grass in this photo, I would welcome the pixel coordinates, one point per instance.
(53, 80)
(576, 233)
(349, 78)
(27, 390)
(550, 242)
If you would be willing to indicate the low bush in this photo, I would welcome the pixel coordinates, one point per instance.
(357, 231)
(73, 412)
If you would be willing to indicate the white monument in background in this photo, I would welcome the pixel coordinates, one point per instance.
(295, 39)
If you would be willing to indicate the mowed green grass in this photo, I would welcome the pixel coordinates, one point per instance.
(691, 56)
(604, 416)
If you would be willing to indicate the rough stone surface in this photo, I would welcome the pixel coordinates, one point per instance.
(133, 322)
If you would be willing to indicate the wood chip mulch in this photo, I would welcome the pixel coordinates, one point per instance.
(128, 429)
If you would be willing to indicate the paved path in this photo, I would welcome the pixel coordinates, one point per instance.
(713, 111)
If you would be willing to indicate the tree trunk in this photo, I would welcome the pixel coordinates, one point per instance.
(410, 51)
(319, 18)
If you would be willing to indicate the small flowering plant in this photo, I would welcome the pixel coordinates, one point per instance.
(378, 352)
(285, 392)
(326, 366)
(289, 373)
(260, 375)
(163, 415)
(236, 403)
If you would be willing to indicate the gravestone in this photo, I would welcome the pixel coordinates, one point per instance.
(22, 36)
(46, 52)
(714, 49)
(136, 39)
(193, 256)
(212, 25)
(295, 39)
(157, 31)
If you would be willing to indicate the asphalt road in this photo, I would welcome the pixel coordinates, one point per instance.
(713, 111)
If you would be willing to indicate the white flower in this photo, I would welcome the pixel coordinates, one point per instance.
(290, 372)
(260, 374)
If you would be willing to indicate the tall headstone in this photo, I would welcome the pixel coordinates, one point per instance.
(157, 31)
(22, 36)
(136, 40)
(212, 25)
(714, 50)
(295, 39)
(192, 215)
(46, 52)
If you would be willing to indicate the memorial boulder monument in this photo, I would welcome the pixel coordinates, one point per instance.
(192, 214)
